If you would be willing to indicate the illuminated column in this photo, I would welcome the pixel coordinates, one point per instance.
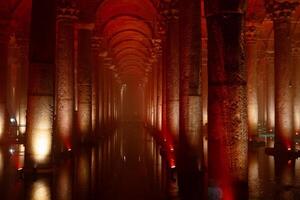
(296, 80)
(64, 76)
(159, 93)
(84, 82)
(269, 85)
(190, 160)
(251, 60)
(23, 83)
(12, 80)
(280, 12)
(227, 99)
(96, 43)
(172, 68)
(3, 78)
(39, 133)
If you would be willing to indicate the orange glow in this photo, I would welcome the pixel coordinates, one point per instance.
(2, 122)
(1, 163)
(40, 190)
(41, 145)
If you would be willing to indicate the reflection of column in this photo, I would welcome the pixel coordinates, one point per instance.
(3, 66)
(41, 85)
(280, 12)
(84, 82)
(285, 175)
(227, 101)
(66, 15)
(172, 69)
(190, 160)
(251, 60)
(296, 80)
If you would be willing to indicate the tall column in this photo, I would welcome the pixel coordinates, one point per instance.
(281, 12)
(296, 81)
(159, 92)
(190, 151)
(251, 60)
(64, 122)
(3, 67)
(23, 83)
(12, 81)
(39, 133)
(227, 99)
(84, 82)
(172, 68)
(268, 85)
(96, 43)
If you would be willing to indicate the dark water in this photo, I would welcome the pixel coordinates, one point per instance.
(128, 165)
(125, 165)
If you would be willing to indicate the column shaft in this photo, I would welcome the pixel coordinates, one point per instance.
(40, 107)
(3, 79)
(172, 77)
(227, 100)
(251, 48)
(65, 78)
(190, 151)
(84, 82)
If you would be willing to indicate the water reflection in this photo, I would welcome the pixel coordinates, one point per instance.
(128, 164)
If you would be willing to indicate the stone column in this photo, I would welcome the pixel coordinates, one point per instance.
(251, 62)
(40, 106)
(170, 11)
(64, 75)
(23, 83)
(84, 81)
(296, 81)
(280, 13)
(190, 151)
(268, 86)
(3, 78)
(159, 93)
(96, 43)
(12, 82)
(227, 99)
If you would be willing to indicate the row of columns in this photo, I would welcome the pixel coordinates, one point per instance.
(72, 95)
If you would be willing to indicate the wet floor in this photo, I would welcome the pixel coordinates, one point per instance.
(128, 165)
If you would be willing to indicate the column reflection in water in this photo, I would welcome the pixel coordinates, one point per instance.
(126, 164)
(39, 189)
(64, 181)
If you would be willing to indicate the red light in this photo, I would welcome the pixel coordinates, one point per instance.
(289, 149)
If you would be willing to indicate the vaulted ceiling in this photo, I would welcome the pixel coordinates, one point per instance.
(130, 29)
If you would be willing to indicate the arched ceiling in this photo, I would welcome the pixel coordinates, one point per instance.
(128, 30)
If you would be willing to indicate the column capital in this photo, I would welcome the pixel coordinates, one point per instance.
(251, 32)
(269, 55)
(169, 9)
(67, 9)
(97, 43)
(296, 48)
(281, 10)
(12, 42)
